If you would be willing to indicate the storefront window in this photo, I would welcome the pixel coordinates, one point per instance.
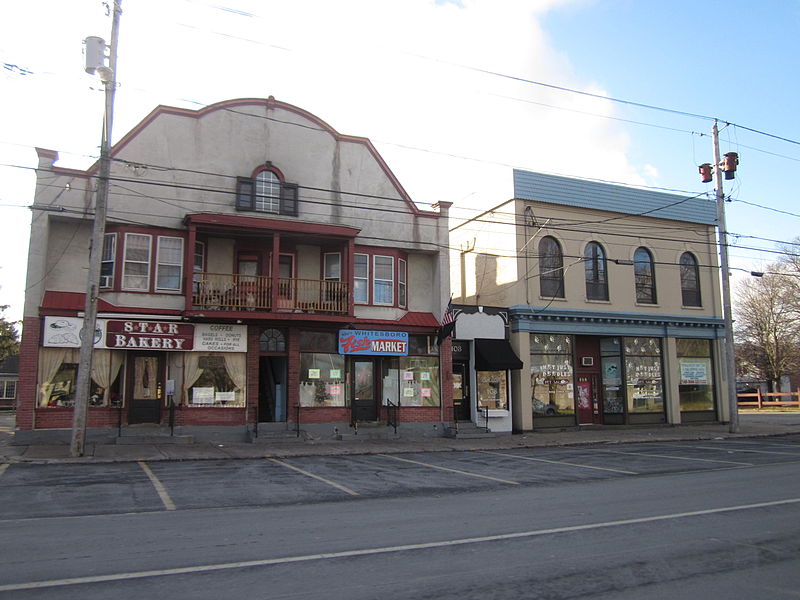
(419, 380)
(551, 375)
(492, 390)
(322, 379)
(215, 379)
(696, 390)
(644, 377)
(58, 375)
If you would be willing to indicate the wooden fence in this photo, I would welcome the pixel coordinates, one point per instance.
(764, 400)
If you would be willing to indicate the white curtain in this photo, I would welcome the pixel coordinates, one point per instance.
(236, 365)
(105, 368)
(191, 371)
(50, 360)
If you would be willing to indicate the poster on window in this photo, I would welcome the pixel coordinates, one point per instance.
(694, 372)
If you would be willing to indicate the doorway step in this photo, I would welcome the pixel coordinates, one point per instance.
(468, 431)
(151, 434)
(377, 430)
(272, 433)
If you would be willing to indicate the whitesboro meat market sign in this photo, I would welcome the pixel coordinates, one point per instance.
(386, 343)
(65, 332)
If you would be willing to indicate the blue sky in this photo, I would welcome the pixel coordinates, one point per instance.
(425, 81)
(735, 60)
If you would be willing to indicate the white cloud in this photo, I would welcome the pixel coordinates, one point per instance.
(379, 69)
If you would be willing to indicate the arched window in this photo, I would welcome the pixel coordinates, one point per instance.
(272, 340)
(594, 260)
(268, 192)
(690, 280)
(644, 273)
(551, 268)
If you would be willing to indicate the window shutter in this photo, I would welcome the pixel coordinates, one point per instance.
(289, 199)
(245, 189)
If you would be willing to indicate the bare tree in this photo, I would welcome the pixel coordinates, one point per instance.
(767, 325)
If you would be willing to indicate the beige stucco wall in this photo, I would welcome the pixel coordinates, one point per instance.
(183, 162)
(489, 274)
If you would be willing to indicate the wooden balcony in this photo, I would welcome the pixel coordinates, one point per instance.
(214, 291)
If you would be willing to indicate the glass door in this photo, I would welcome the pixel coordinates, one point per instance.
(145, 389)
(364, 406)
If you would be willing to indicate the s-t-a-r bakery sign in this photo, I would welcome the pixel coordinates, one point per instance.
(149, 335)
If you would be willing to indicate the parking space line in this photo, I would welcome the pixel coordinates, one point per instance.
(3, 468)
(727, 462)
(743, 450)
(160, 489)
(338, 486)
(559, 462)
(440, 468)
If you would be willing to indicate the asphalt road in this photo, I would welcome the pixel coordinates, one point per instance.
(710, 519)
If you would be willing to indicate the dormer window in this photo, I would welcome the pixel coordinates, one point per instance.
(266, 192)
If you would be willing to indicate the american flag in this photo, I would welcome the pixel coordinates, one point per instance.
(448, 321)
(449, 316)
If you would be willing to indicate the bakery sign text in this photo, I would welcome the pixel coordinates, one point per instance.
(149, 335)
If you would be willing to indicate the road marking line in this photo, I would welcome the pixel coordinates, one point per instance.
(160, 489)
(559, 462)
(416, 462)
(346, 490)
(729, 449)
(265, 562)
(727, 462)
(3, 468)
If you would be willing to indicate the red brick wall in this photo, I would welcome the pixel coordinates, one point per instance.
(28, 370)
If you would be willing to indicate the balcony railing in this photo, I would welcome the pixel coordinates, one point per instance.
(214, 291)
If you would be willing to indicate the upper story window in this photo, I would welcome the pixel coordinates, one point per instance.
(383, 280)
(169, 264)
(551, 268)
(402, 288)
(594, 258)
(147, 262)
(690, 280)
(644, 274)
(332, 266)
(380, 277)
(361, 279)
(107, 260)
(266, 192)
(136, 265)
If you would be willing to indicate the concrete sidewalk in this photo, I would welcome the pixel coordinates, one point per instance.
(750, 426)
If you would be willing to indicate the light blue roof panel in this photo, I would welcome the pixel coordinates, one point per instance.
(582, 193)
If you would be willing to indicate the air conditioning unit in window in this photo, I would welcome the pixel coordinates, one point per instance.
(106, 281)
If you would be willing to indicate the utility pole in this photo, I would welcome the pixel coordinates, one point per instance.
(730, 363)
(109, 77)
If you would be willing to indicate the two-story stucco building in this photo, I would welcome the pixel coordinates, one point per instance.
(260, 272)
(610, 297)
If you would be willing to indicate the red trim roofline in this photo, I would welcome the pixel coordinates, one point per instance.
(210, 220)
(271, 103)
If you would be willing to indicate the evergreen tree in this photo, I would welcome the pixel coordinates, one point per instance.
(9, 336)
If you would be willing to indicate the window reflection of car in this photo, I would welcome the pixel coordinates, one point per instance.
(548, 409)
